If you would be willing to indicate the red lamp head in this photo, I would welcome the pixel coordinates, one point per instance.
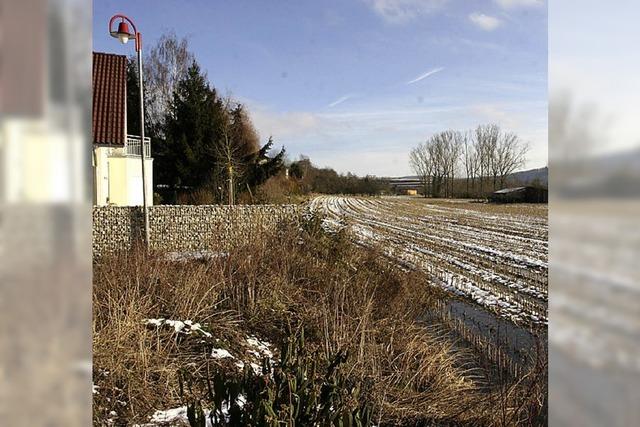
(123, 33)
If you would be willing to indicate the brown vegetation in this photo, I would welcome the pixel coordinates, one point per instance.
(346, 298)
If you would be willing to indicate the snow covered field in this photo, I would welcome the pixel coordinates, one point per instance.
(495, 256)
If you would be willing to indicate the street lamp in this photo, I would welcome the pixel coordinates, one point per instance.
(124, 34)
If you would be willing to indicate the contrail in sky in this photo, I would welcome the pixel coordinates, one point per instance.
(340, 100)
(425, 75)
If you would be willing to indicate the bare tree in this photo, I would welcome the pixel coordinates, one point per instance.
(498, 154)
(470, 163)
(437, 148)
(486, 141)
(454, 154)
(229, 150)
(422, 164)
(486, 153)
(443, 151)
(166, 63)
(510, 155)
(435, 161)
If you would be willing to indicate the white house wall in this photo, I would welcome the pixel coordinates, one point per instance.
(118, 178)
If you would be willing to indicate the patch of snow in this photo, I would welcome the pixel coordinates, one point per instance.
(221, 353)
(170, 415)
(155, 322)
(178, 416)
(262, 346)
(179, 326)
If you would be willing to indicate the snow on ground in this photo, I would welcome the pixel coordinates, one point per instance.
(179, 326)
(260, 348)
(221, 353)
(500, 261)
(178, 416)
(255, 350)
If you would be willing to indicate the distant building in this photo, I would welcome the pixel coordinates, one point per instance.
(526, 194)
(405, 184)
(117, 168)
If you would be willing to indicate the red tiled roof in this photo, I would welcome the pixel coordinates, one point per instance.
(109, 98)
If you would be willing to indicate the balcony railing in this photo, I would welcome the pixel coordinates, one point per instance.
(132, 147)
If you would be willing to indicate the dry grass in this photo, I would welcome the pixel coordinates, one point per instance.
(345, 298)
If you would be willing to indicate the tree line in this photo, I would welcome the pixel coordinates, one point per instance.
(312, 179)
(484, 157)
(302, 178)
(204, 145)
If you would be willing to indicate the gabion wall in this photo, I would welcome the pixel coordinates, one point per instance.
(186, 227)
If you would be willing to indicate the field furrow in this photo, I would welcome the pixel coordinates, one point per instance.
(497, 258)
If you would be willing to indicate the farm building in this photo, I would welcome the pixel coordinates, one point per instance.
(520, 195)
(409, 185)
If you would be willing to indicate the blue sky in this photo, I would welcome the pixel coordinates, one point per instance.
(354, 84)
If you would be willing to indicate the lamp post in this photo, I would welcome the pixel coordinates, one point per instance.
(124, 35)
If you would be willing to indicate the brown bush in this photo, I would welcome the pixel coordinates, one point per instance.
(345, 298)
(201, 196)
(277, 190)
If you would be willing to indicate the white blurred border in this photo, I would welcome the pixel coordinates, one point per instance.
(594, 370)
(45, 290)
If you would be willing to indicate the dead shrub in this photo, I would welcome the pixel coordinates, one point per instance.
(200, 196)
(277, 190)
(346, 298)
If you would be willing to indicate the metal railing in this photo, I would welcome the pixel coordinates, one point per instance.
(132, 147)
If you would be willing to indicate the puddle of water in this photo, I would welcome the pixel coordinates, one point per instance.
(517, 342)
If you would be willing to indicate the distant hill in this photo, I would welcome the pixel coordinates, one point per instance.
(527, 177)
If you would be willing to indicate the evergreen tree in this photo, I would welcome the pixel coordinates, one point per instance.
(186, 158)
(262, 167)
(209, 143)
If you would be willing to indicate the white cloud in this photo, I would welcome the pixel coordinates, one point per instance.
(401, 11)
(485, 22)
(511, 4)
(345, 139)
(283, 124)
(381, 162)
(425, 75)
(340, 100)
